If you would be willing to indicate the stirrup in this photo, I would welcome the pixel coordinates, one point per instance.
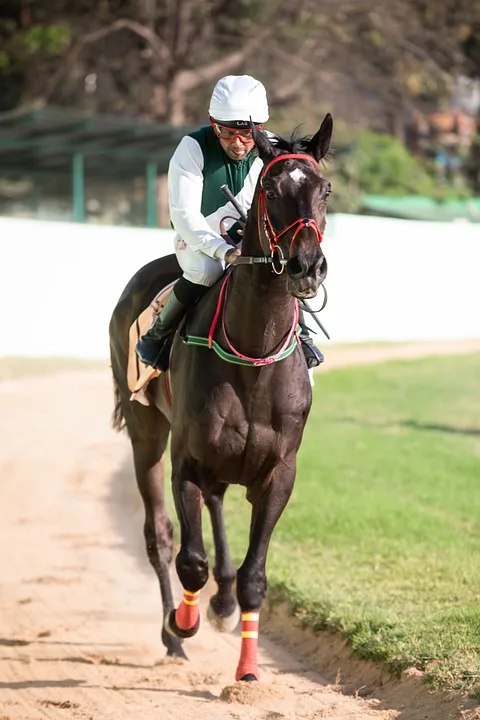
(313, 356)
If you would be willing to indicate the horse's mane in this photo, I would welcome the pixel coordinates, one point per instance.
(294, 144)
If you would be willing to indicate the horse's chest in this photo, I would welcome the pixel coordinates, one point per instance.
(246, 430)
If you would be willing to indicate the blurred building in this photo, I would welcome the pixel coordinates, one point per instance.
(65, 165)
(444, 137)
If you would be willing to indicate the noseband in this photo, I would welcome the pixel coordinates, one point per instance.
(264, 219)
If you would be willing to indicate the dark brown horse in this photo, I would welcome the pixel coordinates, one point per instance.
(241, 394)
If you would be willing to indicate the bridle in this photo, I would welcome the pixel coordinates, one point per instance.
(273, 237)
(264, 219)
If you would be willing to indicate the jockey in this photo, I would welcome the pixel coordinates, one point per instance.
(217, 154)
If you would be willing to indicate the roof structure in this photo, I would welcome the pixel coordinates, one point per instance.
(45, 140)
(54, 142)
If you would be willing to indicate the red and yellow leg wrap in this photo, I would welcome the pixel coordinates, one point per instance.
(187, 613)
(248, 654)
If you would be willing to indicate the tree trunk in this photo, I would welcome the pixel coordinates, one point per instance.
(162, 202)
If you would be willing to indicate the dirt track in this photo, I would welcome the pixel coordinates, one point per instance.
(80, 608)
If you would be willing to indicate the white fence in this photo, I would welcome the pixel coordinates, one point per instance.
(388, 280)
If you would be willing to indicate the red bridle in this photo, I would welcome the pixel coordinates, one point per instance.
(298, 225)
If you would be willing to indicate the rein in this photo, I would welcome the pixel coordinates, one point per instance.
(235, 356)
(273, 237)
(222, 301)
(263, 217)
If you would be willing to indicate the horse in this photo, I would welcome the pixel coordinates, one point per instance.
(241, 395)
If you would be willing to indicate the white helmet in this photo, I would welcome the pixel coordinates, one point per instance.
(236, 99)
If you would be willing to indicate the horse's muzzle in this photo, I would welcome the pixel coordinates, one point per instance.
(304, 277)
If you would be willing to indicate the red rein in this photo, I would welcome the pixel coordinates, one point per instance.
(272, 236)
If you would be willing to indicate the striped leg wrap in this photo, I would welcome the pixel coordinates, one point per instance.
(187, 614)
(248, 655)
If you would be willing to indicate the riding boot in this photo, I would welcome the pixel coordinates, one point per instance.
(313, 355)
(153, 348)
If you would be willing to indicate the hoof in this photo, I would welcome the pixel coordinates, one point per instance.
(172, 628)
(223, 624)
(173, 645)
(176, 654)
(249, 677)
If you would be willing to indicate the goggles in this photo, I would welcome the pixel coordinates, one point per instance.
(227, 133)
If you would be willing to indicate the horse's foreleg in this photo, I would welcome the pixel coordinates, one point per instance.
(148, 454)
(191, 561)
(267, 506)
(223, 610)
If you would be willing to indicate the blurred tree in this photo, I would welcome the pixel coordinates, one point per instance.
(144, 57)
(23, 40)
(160, 57)
(471, 48)
(374, 164)
(370, 62)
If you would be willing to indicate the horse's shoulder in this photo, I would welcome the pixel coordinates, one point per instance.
(201, 315)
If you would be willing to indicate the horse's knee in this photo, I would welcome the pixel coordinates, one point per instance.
(159, 542)
(251, 588)
(192, 569)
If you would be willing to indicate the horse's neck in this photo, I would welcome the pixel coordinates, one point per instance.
(259, 310)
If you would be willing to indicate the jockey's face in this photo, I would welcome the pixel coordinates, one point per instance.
(236, 143)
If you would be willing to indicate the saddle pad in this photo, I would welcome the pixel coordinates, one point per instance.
(138, 374)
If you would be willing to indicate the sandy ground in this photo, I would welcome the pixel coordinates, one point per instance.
(80, 608)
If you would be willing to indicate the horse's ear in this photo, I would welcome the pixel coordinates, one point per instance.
(266, 149)
(320, 142)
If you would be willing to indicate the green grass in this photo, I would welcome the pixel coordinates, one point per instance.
(381, 538)
(12, 368)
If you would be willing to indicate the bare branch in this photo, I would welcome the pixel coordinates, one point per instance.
(419, 52)
(187, 80)
(159, 48)
(184, 28)
(302, 62)
(285, 92)
(157, 45)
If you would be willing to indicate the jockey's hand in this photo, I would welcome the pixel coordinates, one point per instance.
(232, 255)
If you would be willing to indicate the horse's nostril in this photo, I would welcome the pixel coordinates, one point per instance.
(323, 266)
(297, 267)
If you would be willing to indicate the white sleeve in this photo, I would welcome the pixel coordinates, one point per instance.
(185, 187)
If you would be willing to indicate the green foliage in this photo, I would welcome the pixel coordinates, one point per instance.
(385, 166)
(375, 39)
(4, 61)
(376, 164)
(50, 39)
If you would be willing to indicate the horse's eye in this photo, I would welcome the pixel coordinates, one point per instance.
(270, 193)
(328, 190)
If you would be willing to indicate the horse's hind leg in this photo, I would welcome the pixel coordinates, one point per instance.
(191, 561)
(223, 610)
(267, 506)
(149, 430)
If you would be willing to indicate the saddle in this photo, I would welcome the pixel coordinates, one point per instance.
(138, 374)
